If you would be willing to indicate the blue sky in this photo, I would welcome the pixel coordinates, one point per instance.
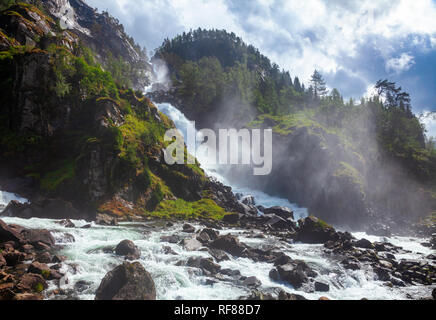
(353, 43)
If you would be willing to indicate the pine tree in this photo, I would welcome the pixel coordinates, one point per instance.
(319, 85)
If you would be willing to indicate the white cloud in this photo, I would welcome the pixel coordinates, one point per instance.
(429, 120)
(400, 64)
(298, 35)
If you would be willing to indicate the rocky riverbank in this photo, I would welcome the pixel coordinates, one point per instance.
(31, 263)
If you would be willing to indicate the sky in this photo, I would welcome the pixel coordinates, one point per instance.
(353, 43)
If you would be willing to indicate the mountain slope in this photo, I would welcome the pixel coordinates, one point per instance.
(73, 132)
(350, 163)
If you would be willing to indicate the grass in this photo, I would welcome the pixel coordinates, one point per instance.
(52, 180)
(183, 210)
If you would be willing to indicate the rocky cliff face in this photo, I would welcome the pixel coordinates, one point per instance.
(71, 131)
(103, 34)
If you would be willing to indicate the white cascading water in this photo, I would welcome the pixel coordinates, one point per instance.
(90, 256)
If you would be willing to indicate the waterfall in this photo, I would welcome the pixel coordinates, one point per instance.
(263, 199)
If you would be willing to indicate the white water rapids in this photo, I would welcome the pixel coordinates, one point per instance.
(88, 257)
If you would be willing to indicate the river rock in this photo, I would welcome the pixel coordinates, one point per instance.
(39, 268)
(279, 223)
(364, 243)
(219, 255)
(284, 296)
(229, 244)
(231, 218)
(296, 273)
(129, 281)
(31, 282)
(322, 287)
(314, 231)
(14, 258)
(213, 234)
(35, 237)
(187, 228)
(128, 249)
(282, 212)
(191, 244)
(67, 223)
(8, 234)
(251, 282)
(44, 257)
(204, 264)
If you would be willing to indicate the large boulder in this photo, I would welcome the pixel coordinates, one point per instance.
(279, 223)
(38, 237)
(8, 234)
(129, 281)
(45, 209)
(282, 212)
(191, 244)
(314, 231)
(229, 244)
(296, 273)
(128, 249)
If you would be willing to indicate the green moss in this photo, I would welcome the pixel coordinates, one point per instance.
(349, 172)
(52, 180)
(39, 287)
(180, 209)
(45, 274)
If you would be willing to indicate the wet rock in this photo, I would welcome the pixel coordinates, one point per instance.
(204, 264)
(8, 234)
(191, 244)
(382, 274)
(364, 243)
(67, 223)
(203, 238)
(58, 259)
(82, 285)
(169, 251)
(213, 234)
(105, 220)
(433, 294)
(230, 272)
(170, 239)
(187, 228)
(14, 258)
(229, 244)
(274, 275)
(322, 287)
(128, 249)
(258, 296)
(35, 237)
(279, 223)
(314, 231)
(129, 281)
(251, 282)
(39, 268)
(351, 263)
(44, 257)
(219, 255)
(284, 296)
(231, 218)
(282, 212)
(248, 201)
(282, 260)
(31, 282)
(324, 299)
(295, 274)
(87, 226)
